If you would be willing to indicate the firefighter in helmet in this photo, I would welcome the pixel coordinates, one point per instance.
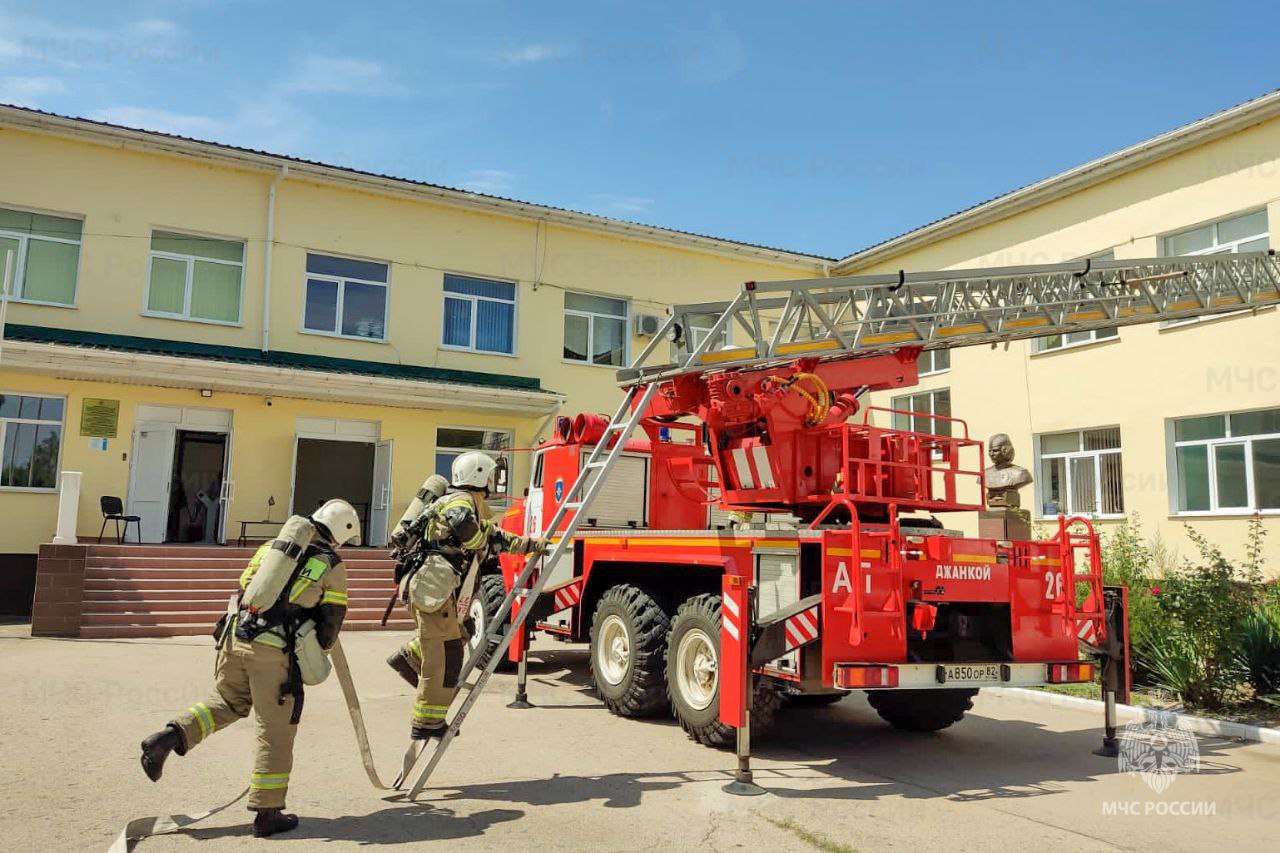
(459, 531)
(293, 593)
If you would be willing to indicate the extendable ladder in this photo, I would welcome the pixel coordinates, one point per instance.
(576, 501)
(836, 318)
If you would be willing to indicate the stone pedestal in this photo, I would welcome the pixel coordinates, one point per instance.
(1004, 523)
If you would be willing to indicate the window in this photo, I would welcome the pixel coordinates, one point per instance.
(195, 278)
(1080, 473)
(933, 361)
(595, 329)
(923, 412)
(1071, 339)
(1228, 463)
(454, 441)
(479, 315)
(31, 436)
(1245, 233)
(698, 327)
(46, 256)
(346, 298)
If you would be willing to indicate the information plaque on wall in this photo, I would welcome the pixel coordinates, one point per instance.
(99, 418)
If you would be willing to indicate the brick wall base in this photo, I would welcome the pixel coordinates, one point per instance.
(59, 597)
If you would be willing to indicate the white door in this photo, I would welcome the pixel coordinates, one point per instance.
(380, 505)
(150, 473)
(228, 493)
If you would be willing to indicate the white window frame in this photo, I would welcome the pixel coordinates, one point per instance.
(190, 261)
(62, 439)
(1230, 247)
(591, 316)
(507, 454)
(931, 416)
(1038, 345)
(1212, 455)
(1095, 455)
(341, 282)
(691, 338)
(19, 283)
(514, 302)
(934, 370)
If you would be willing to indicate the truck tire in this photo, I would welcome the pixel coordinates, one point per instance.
(628, 651)
(921, 710)
(693, 676)
(490, 590)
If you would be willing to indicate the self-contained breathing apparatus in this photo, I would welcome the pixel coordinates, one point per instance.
(272, 571)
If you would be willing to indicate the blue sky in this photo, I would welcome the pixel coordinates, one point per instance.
(819, 126)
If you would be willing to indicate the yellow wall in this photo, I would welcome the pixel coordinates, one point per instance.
(1149, 374)
(122, 195)
(262, 451)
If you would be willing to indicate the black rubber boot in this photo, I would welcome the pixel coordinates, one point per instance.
(271, 821)
(156, 748)
(404, 667)
(423, 733)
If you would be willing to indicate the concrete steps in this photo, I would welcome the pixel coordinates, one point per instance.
(133, 591)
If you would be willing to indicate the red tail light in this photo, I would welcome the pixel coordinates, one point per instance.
(1067, 673)
(855, 676)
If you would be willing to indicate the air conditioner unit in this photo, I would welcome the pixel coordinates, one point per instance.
(647, 325)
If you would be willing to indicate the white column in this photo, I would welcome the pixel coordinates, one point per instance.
(68, 508)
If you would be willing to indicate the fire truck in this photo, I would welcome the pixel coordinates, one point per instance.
(747, 530)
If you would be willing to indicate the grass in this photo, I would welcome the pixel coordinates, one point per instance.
(813, 839)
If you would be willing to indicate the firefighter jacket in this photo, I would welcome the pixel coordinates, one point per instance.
(462, 526)
(318, 592)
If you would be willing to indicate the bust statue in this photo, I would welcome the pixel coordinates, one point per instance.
(1003, 477)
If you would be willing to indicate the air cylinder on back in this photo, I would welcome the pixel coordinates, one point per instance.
(277, 564)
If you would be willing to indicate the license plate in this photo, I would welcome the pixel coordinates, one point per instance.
(971, 672)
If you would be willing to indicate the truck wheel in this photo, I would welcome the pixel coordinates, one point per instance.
(628, 651)
(693, 676)
(921, 710)
(490, 590)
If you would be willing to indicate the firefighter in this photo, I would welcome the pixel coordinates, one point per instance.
(257, 664)
(459, 530)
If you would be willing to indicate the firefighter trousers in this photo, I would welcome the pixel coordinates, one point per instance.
(439, 646)
(249, 676)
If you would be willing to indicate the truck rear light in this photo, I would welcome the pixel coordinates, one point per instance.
(854, 676)
(1066, 673)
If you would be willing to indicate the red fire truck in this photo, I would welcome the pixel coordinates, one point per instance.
(773, 536)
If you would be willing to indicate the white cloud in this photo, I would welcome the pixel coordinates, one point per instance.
(317, 74)
(145, 118)
(524, 54)
(27, 91)
(491, 181)
(624, 205)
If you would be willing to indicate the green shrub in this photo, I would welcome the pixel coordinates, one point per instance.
(1258, 653)
(1129, 560)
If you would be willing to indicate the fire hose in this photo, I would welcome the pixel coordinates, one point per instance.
(145, 827)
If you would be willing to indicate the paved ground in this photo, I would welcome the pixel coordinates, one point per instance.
(569, 776)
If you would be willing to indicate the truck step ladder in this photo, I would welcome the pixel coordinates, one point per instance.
(578, 497)
(835, 318)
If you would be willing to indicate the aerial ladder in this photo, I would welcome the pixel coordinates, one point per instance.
(830, 326)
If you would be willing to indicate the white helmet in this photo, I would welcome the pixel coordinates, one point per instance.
(473, 469)
(341, 520)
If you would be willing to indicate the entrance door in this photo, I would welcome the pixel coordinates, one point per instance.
(149, 478)
(380, 512)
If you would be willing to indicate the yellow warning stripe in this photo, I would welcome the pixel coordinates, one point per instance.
(1048, 561)
(810, 346)
(872, 553)
(889, 338)
(948, 331)
(1227, 300)
(1026, 322)
(972, 558)
(707, 542)
(728, 355)
(1143, 309)
(1087, 315)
